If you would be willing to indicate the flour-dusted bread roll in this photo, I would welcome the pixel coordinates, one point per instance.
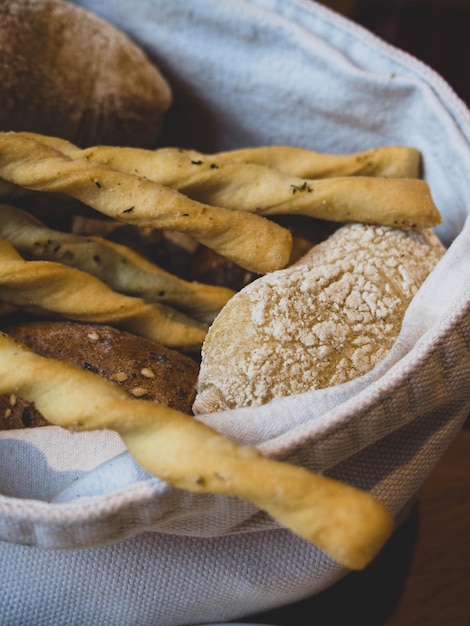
(142, 368)
(66, 72)
(325, 320)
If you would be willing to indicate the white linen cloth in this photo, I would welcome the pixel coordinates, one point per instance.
(87, 536)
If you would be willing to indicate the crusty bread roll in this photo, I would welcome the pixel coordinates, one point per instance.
(143, 368)
(66, 72)
(325, 320)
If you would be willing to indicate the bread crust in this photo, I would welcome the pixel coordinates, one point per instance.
(329, 318)
(65, 71)
(142, 368)
(263, 190)
(247, 239)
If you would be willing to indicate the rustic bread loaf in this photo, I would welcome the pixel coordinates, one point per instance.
(144, 369)
(327, 319)
(68, 73)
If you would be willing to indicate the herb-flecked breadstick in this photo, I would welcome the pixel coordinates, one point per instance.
(349, 525)
(386, 161)
(264, 190)
(118, 266)
(250, 241)
(53, 288)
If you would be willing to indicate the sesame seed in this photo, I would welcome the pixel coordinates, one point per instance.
(119, 377)
(138, 392)
(93, 336)
(7, 412)
(13, 399)
(147, 372)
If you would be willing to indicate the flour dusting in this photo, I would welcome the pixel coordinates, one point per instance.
(331, 317)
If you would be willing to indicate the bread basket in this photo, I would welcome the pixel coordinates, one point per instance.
(87, 536)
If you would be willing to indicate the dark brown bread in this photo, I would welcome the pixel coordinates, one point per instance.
(141, 367)
(68, 73)
(18, 413)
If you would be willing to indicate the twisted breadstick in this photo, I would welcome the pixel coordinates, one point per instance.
(118, 266)
(265, 191)
(255, 188)
(248, 240)
(45, 286)
(387, 161)
(350, 525)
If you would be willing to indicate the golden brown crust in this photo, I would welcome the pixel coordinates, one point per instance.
(66, 71)
(387, 161)
(122, 269)
(247, 239)
(60, 292)
(143, 368)
(264, 190)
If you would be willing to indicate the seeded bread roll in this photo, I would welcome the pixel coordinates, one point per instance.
(327, 319)
(66, 72)
(142, 368)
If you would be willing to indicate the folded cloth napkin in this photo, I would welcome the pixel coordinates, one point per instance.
(89, 537)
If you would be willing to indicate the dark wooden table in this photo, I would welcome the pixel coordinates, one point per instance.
(422, 576)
